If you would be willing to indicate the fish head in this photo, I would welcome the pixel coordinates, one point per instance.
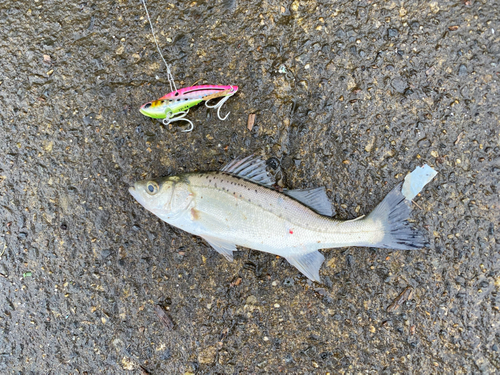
(155, 109)
(166, 197)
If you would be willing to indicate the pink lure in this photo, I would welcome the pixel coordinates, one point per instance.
(199, 92)
(175, 105)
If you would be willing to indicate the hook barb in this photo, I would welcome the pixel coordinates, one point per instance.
(219, 105)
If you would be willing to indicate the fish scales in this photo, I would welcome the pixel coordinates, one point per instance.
(264, 219)
(237, 206)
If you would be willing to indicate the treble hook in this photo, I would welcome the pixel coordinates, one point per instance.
(181, 116)
(219, 104)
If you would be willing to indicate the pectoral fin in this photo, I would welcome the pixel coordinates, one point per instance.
(309, 264)
(221, 246)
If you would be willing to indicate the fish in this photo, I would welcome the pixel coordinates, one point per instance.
(238, 206)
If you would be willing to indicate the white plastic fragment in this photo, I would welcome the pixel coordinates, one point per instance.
(416, 180)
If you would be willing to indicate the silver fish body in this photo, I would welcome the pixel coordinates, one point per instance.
(237, 206)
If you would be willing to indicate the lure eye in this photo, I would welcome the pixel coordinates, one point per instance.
(152, 187)
(147, 105)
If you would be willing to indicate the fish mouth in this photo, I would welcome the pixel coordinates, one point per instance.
(137, 195)
(133, 192)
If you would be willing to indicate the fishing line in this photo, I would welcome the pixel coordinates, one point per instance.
(169, 73)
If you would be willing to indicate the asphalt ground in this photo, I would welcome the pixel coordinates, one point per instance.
(348, 95)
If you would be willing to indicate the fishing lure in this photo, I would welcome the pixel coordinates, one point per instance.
(175, 105)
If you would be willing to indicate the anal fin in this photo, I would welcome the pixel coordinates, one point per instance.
(221, 246)
(309, 264)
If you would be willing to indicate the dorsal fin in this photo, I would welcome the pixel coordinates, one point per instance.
(251, 168)
(315, 199)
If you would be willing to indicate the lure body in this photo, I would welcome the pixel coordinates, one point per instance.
(201, 92)
(163, 108)
(183, 99)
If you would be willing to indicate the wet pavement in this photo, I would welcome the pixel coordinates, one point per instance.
(348, 95)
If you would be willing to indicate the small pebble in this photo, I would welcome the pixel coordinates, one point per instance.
(462, 70)
(392, 33)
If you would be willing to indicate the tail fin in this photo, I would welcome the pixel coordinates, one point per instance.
(393, 213)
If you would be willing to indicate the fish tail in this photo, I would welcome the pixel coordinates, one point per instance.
(392, 216)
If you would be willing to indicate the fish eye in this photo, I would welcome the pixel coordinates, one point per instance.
(152, 187)
(147, 105)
